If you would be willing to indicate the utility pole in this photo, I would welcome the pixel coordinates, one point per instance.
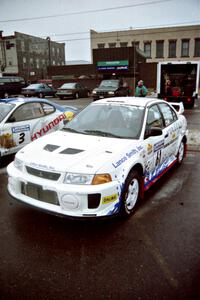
(49, 49)
(134, 65)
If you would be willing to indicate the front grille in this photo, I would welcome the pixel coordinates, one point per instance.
(102, 93)
(43, 174)
(36, 192)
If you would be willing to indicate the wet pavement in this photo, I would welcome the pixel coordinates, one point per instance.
(153, 255)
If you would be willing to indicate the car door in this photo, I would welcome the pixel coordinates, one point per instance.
(28, 122)
(171, 130)
(154, 145)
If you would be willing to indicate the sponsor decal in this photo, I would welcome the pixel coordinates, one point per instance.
(149, 148)
(6, 140)
(159, 146)
(20, 128)
(48, 127)
(109, 199)
(127, 156)
(151, 177)
(40, 166)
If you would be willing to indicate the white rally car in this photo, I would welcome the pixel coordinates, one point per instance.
(24, 120)
(103, 160)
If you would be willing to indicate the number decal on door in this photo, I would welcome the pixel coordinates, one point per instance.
(21, 137)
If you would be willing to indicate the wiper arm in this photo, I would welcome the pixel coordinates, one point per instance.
(71, 130)
(101, 133)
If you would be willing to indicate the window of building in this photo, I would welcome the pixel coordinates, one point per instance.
(147, 49)
(37, 63)
(23, 46)
(112, 45)
(159, 49)
(10, 61)
(172, 48)
(43, 62)
(58, 51)
(136, 44)
(24, 61)
(123, 44)
(31, 62)
(197, 47)
(185, 48)
(101, 45)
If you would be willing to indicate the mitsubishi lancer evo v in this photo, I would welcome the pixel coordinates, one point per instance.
(103, 160)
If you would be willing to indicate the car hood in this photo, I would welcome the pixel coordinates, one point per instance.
(105, 89)
(64, 151)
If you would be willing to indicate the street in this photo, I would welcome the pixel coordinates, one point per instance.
(155, 254)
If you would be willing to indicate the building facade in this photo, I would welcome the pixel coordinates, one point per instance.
(158, 44)
(29, 56)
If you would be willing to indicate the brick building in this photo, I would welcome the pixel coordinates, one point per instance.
(29, 56)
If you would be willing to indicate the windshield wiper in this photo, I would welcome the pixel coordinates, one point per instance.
(101, 133)
(71, 130)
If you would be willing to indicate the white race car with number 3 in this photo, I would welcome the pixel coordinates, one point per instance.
(103, 160)
(24, 120)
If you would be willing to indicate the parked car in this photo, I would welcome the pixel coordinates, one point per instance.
(24, 120)
(110, 88)
(38, 90)
(11, 85)
(72, 89)
(102, 161)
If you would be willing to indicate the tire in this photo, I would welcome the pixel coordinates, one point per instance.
(61, 97)
(130, 194)
(40, 95)
(181, 153)
(76, 96)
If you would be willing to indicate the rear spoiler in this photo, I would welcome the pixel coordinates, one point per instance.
(178, 106)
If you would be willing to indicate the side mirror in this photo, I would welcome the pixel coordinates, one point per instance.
(153, 131)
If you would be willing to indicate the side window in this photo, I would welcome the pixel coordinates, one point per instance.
(48, 109)
(154, 118)
(168, 114)
(27, 112)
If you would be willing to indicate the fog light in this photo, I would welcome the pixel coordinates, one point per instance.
(69, 202)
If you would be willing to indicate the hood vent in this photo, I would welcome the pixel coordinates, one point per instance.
(71, 151)
(50, 147)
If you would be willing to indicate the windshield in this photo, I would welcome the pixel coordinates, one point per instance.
(109, 83)
(34, 86)
(5, 109)
(68, 86)
(108, 120)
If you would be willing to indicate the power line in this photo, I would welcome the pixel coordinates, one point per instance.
(115, 32)
(86, 11)
(158, 26)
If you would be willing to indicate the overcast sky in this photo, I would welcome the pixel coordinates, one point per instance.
(70, 21)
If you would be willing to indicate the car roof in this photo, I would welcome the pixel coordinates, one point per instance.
(138, 101)
(21, 100)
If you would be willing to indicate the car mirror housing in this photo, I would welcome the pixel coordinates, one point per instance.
(153, 131)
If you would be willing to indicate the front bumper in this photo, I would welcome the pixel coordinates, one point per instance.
(64, 199)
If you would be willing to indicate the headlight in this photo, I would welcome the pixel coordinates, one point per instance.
(111, 93)
(94, 92)
(75, 178)
(18, 164)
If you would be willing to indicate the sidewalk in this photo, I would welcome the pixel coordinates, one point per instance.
(193, 140)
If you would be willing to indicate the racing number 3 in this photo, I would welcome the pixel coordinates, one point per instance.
(21, 137)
